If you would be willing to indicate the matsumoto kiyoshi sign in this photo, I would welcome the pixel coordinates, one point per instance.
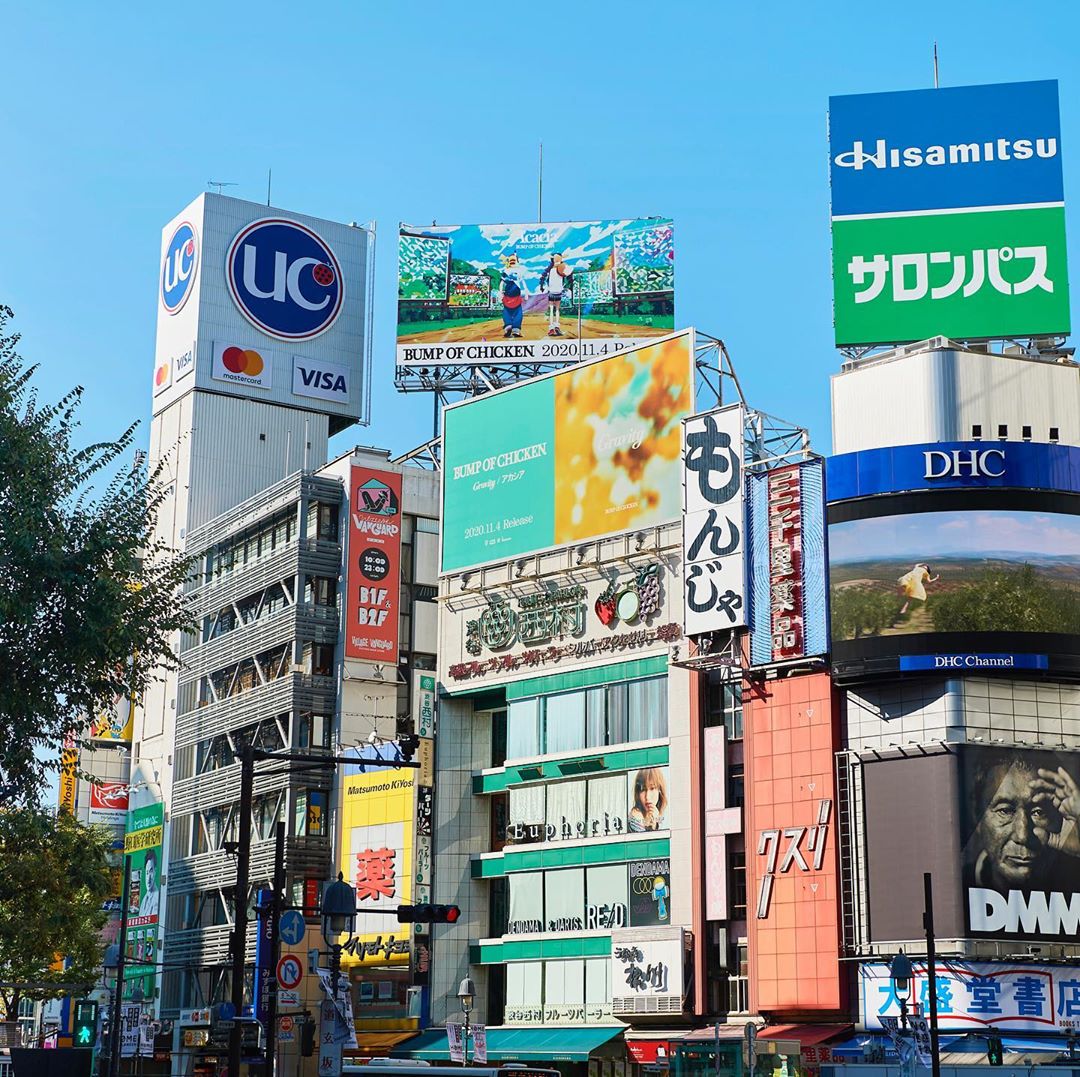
(948, 214)
(609, 431)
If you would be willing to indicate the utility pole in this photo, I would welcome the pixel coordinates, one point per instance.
(931, 969)
(275, 948)
(240, 903)
(118, 993)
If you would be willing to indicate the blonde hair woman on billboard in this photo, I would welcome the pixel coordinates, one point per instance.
(650, 801)
(912, 585)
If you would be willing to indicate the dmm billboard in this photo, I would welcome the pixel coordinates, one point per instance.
(568, 457)
(373, 580)
(262, 303)
(948, 214)
(489, 293)
(377, 812)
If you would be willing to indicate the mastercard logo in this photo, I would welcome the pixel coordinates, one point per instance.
(243, 361)
(161, 375)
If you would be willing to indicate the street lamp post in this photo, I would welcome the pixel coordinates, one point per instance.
(900, 972)
(338, 917)
(466, 995)
(931, 970)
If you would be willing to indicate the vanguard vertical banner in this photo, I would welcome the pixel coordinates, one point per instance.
(948, 214)
(483, 293)
(373, 581)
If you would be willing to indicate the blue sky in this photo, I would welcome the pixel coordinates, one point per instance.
(115, 117)
(929, 535)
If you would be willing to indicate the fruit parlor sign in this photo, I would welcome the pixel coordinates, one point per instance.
(614, 613)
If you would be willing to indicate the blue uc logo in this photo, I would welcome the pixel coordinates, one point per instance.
(178, 268)
(285, 279)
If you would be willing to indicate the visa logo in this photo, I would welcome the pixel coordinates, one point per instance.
(325, 381)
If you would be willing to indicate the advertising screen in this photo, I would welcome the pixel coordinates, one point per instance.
(1019, 819)
(976, 580)
(372, 580)
(143, 843)
(551, 291)
(610, 430)
(948, 214)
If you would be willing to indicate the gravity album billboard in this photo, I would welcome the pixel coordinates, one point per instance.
(1019, 819)
(992, 577)
(484, 293)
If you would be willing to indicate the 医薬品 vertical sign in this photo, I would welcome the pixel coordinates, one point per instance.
(373, 579)
(714, 509)
(948, 214)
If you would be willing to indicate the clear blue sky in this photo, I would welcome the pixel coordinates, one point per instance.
(113, 118)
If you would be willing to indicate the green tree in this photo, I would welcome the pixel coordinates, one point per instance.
(55, 876)
(1008, 600)
(90, 599)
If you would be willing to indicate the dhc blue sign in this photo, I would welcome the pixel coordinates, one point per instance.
(285, 279)
(954, 148)
(969, 662)
(953, 465)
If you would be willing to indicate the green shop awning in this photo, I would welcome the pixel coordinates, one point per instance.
(554, 1044)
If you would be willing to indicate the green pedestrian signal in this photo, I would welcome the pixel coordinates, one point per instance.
(85, 1028)
(995, 1054)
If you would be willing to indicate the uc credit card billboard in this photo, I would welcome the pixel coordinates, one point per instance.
(568, 457)
(948, 214)
(262, 303)
(483, 293)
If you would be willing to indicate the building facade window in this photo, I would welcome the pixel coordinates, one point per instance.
(625, 713)
(568, 992)
(723, 705)
(737, 862)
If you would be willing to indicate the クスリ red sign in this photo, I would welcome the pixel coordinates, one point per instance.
(373, 579)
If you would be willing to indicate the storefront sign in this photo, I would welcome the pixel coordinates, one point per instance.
(978, 995)
(794, 842)
(645, 968)
(545, 656)
(650, 892)
(372, 579)
(424, 703)
(714, 521)
(785, 562)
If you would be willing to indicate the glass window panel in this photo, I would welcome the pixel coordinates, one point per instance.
(564, 722)
(598, 980)
(566, 811)
(566, 899)
(522, 729)
(596, 718)
(606, 901)
(617, 729)
(526, 903)
(527, 813)
(648, 709)
(565, 982)
(607, 807)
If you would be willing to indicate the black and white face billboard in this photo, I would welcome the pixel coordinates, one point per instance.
(714, 521)
(1019, 819)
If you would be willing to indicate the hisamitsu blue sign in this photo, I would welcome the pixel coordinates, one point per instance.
(953, 465)
(955, 148)
(971, 662)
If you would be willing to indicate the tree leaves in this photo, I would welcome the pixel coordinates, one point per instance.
(90, 596)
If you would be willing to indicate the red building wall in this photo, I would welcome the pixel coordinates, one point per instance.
(791, 735)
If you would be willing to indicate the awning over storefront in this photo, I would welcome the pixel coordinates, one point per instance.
(807, 1035)
(555, 1044)
(377, 1043)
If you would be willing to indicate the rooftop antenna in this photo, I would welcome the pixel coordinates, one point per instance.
(219, 184)
(937, 85)
(269, 174)
(540, 187)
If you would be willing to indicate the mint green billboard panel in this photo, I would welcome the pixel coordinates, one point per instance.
(498, 476)
(994, 273)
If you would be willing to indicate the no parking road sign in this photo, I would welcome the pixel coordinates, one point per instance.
(289, 972)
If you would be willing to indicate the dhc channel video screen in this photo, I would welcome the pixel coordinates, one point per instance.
(982, 573)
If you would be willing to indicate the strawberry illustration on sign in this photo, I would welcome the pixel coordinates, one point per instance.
(605, 605)
(637, 600)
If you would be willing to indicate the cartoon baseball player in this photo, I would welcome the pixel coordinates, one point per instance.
(556, 279)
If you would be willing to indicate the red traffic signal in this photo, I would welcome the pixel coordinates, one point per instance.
(428, 914)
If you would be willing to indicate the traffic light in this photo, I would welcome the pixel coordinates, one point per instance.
(428, 914)
(407, 744)
(85, 1031)
(995, 1054)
